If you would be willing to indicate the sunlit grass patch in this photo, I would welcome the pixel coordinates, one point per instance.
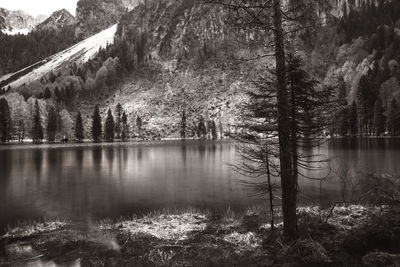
(162, 226)
(247, 241)
(29, 229)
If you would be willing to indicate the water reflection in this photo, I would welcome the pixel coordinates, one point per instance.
(85, 183)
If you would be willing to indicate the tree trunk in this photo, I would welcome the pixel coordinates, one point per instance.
(271, 195)
(289, 192)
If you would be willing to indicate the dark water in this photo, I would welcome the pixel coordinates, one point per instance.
(83, 182)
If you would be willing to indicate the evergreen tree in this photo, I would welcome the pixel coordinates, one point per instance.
(139, 125)
(379, 118)
(214, 130)
(125, 127)
(118, 120)
(394, 118)
(221, 129)
(52, 125)
(37, 130)
(96, 125)
(367, 94)
(183, 126)
(343, 121)
(79, 131)
(201, 128)
(47, 93)
(5, 121)
(353, 119)
(109, 127)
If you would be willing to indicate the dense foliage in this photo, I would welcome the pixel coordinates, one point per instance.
(20, 51)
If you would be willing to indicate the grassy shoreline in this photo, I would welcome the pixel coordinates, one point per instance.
(194, 238)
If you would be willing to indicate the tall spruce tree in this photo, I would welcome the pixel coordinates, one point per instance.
(118, 120)
(139, 125)
(5, 121)
(183, 126)
(109, 127)
(394, 118)
(379, 118)
(125, 127)
(309, 114)
(214, 133)
(52, 125)
(201, 128)
(96, 125)
(353, 119)
(37, 129)
(79, 131)
(367, 94)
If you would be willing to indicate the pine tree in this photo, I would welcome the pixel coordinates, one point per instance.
(353, 119)
(5, 121)
(37, 130)
(214, 130)
(379, 118)
(79, 131)
(201, 128)
(366, 96)
(96, 125)
(221, 129)
(109, 127)
(394, 118)
(139, 125)
(125, 127)
(183, 126)
(47, 93)
(52, 125)
(118, 120)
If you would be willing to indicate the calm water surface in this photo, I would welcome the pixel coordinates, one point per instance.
(90, 182)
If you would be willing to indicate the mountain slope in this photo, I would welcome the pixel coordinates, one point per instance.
(56, 21)
(94, 16)
(78, 53)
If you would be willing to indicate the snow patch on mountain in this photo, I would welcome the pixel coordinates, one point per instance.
(78, 53)
(15, 31)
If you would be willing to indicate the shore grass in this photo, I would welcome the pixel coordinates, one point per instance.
(191, 237)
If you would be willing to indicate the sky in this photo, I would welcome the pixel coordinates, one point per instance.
(39, 7)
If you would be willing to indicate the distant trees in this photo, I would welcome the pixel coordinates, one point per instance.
(109, 127)
(118, 120)
(394, 118)
(37, 130)
(52, 125)
(125, 127)
(5, 121)
(79, 131)
(379, 118)
(19, 51)
(367, 95)
(183, 126)
(353, 119)
(139, 125)
(96, 125)
(47, 93)
(201, 128)
(214, 133)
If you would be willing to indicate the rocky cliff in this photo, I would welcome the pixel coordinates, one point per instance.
(94, 16)
(56, 21)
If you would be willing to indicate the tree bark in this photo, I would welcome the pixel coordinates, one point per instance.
(289, 193)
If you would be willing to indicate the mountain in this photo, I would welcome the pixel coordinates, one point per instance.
(76, 54)
(18, 22)
(56, 21)
(94, 16)
(170, 56)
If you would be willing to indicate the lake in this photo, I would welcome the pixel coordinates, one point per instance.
(89, 182)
